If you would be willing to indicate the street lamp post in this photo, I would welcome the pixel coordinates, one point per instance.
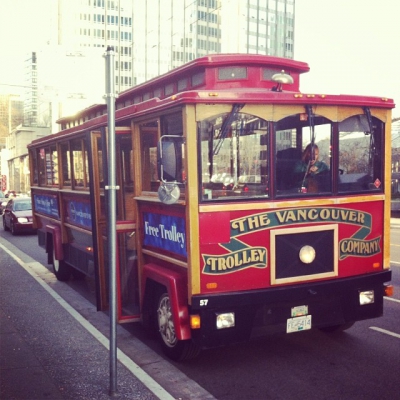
(112, 236)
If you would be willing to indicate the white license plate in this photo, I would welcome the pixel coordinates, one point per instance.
(298, 324)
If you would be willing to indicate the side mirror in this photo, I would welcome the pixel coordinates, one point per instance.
(170, 167)
(169, 159)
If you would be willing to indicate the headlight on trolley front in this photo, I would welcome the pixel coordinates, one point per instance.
(367, 297)
(22, 220)
(226, 320)
(307, 254)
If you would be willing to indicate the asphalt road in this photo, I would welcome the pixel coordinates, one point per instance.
(361, 363)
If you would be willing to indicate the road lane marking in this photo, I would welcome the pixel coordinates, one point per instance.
(391, 299)
(375, 328)
(134, 368)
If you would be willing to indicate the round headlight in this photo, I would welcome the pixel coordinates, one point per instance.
(307, 254)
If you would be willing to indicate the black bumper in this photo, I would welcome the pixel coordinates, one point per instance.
(330, 303)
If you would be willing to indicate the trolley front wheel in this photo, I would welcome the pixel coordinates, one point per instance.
(175, 349)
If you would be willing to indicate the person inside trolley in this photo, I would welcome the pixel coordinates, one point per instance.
(308, 168)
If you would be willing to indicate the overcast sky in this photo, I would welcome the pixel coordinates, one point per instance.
(352, 46)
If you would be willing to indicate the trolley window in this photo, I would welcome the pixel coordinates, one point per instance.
(46, 160)
(80, 164)
(65, 164)
(233, 156)
(360, 155)
(148, 144)
(303, 156)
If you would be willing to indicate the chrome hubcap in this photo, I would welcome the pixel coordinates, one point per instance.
(165, 322)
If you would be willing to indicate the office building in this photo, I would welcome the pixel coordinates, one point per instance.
(153, 36)
(11, 115)
(65, 73)
(66, 70)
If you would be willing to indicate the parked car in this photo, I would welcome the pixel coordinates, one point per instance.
(17, 215)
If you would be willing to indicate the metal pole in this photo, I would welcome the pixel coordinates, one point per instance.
(112, 237)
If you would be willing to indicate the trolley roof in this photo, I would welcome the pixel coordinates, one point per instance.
(218, 78)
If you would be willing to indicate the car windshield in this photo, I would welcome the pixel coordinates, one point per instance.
(23, 206)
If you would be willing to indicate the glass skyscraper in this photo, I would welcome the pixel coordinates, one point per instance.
(153, 36)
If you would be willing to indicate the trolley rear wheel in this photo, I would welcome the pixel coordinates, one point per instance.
(61, 269)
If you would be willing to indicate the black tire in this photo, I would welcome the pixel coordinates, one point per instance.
(12, 228)
(177, 350)
(337, 328)
(61, 270)
(5, 227)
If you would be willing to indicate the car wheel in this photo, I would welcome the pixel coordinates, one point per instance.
(175, 349)
(61, 269)
(12, 228)
(5, 225)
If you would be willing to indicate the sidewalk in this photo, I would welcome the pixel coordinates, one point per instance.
(44, 352)
(48, 350)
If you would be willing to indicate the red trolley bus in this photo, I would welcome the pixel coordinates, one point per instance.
(244, 205)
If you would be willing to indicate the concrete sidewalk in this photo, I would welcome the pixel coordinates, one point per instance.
(53, 344)
(45, 353)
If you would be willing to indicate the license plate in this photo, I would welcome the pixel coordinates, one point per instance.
(298, 324)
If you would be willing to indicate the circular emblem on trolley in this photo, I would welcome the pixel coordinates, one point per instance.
(168, 193)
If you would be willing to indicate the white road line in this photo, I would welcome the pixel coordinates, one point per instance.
(141, 375)
(375, 328)
(392, 299)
